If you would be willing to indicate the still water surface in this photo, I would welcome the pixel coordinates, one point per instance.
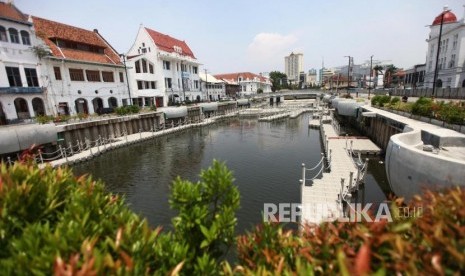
(265, 158)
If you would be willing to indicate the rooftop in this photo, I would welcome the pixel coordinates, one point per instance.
(8, 11)
(55, 34)
(170, 44)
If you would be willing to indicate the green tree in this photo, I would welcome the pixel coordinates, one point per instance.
(278, 80)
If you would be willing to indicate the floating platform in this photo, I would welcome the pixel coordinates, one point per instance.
(323, 193)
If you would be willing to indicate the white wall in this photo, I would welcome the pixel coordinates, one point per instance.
(20, 56)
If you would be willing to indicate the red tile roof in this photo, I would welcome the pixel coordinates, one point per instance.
(244, 75)
(9, 11)
(49, 31)
(167, 43)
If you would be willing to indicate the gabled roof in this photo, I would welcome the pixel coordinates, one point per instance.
(8, 11)
(167, 43)
(244, 75)
(49, 31)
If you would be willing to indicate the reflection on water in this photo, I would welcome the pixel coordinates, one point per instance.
(265, 158)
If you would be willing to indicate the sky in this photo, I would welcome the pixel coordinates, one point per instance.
(255, 35)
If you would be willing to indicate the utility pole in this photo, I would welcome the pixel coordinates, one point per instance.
(371, 68)
(348, 75)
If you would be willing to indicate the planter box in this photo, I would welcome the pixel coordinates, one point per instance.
(437, 122)
(425, 119)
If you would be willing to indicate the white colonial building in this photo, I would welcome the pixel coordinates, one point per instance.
(21, 92)
(162, 70)
(249, 83)
(213, 88)
(451, 61)
(82, 72)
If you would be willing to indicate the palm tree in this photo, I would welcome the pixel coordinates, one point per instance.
(389, 72)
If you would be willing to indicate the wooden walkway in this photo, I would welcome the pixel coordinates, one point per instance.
(320, 197)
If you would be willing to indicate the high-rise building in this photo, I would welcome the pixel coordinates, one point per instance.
(293, 65)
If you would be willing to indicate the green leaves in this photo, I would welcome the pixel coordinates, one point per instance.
(206, 216)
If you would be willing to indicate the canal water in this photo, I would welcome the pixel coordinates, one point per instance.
(265, 158)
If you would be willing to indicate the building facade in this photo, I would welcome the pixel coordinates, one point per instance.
(21, 80)
(450, 54)
(162, 70)
(83, 74)
(293, 66)
(213, 88)
(415, 76)
(249, 83)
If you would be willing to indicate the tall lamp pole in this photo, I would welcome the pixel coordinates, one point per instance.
(371, 71)
(437, 52)
(127, 79)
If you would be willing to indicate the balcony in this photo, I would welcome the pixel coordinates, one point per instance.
(21, 90)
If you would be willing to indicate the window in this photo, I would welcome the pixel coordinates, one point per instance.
(25, 38)
(147, 84)
(121, 77)
(57, 72)
(31, 77)
(140, 85)
(108, 76)
(76, 74)
(92, 75)
(195, 69)
(196, 84)
(144, 66)
(137, 64)
(151, 68)
(454, 43)
(3, 36)
(168, 83)
(166, 65)
(452, 61)
(153, 84)
(14, 78)
(14, 37)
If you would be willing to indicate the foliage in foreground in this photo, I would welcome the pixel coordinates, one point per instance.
(431, 242)
(52, 222)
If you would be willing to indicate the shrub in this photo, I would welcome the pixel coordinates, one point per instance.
(451, 113)
(395, 100)
(383, 100)
(128, 109)
(53, 222)
(375, 100)
(43, 119)
(430, 243)
(422, 107)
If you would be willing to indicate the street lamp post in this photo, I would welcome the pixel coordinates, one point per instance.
(371, 69)
(437, 52)
(127, 79)
(206, 83)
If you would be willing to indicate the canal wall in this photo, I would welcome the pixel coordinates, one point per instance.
(50, 136)
(419, 155)
(378, 128)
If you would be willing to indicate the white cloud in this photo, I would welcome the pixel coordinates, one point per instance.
(268, 50)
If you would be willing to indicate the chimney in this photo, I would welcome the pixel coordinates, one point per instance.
(95, 31)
